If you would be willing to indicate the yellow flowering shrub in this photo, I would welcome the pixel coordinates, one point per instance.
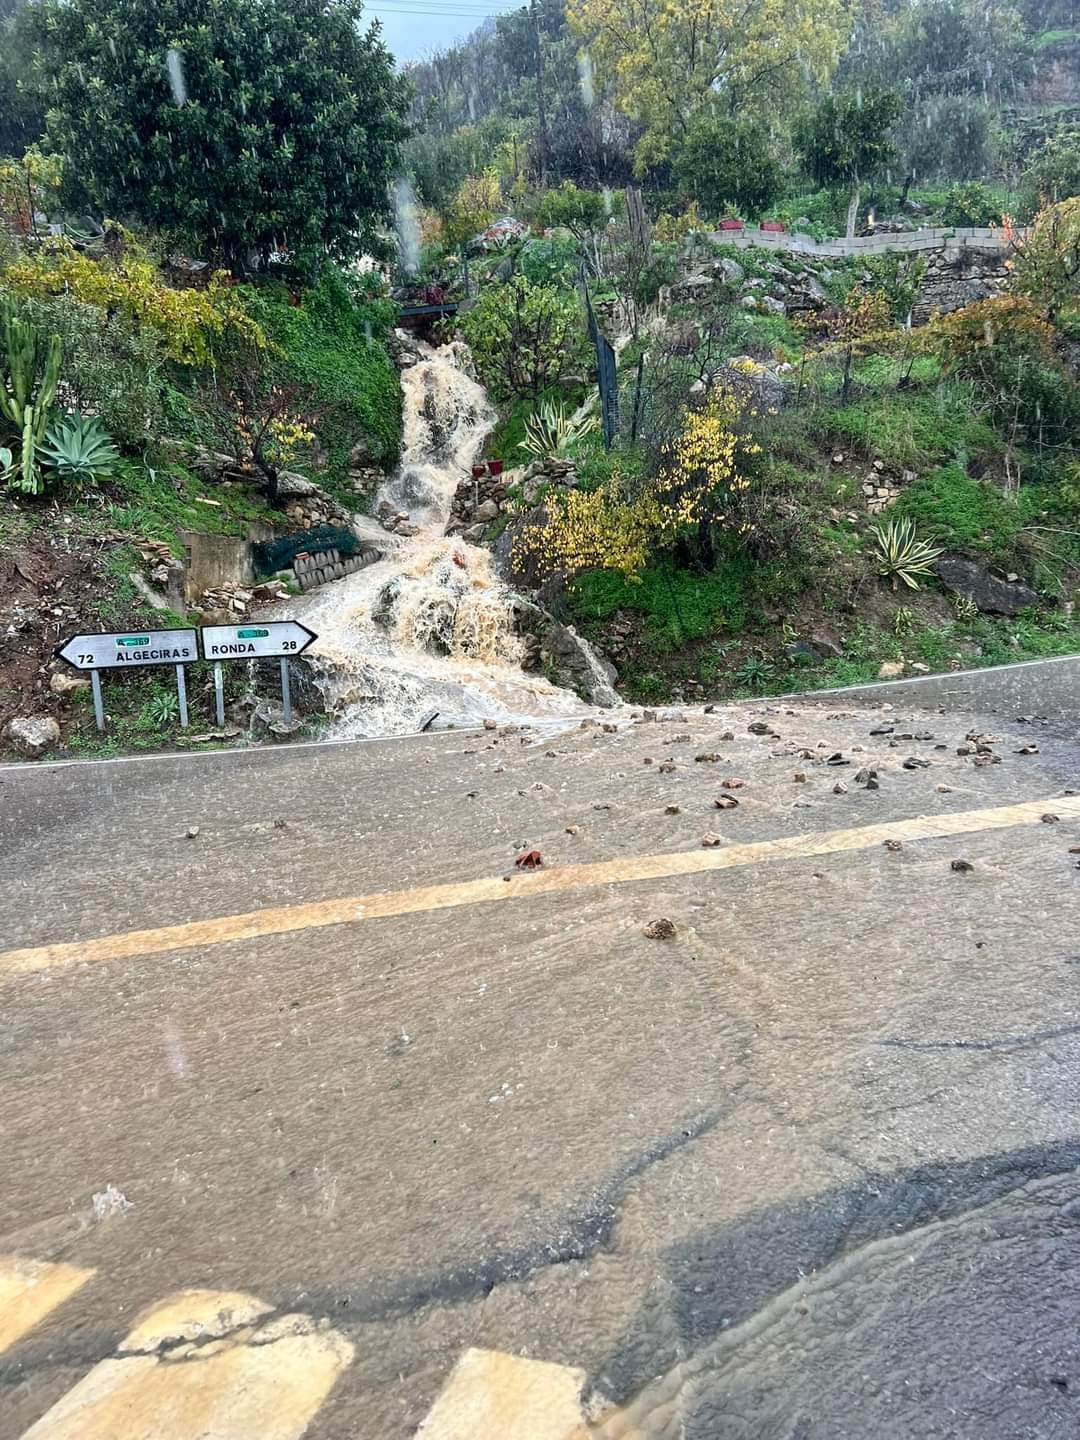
(27, 186)
(189, 321)
(617, 526)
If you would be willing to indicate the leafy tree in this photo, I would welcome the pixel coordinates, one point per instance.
(242, 126)
(524, 337)
(583, 213)
(971, 204)
(474, 207)
(1046, 267)
(724, 162)
(22, 109)
(845, 141)
(1054, 171)
(669, 60)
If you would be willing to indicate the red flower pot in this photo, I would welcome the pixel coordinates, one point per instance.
(478, 470)
(774, 225)
(731, 224)
(494, 467)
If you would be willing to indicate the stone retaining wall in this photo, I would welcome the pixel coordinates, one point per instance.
(932, 237)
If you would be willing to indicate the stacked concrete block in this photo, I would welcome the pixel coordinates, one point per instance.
(323, 566)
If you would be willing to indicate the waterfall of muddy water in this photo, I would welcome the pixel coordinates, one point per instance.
(428, 627)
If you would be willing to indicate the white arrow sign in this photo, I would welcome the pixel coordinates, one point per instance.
(255, 638)
(136, 647)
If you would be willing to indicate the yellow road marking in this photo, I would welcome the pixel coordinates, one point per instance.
(491, 1396)
(221, 1372)
(259, 923)
(29, 1289)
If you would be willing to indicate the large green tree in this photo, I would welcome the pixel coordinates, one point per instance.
(242, 126)
(726, 162)
(846, 141)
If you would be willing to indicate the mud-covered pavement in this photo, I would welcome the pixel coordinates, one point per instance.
(440, 1143)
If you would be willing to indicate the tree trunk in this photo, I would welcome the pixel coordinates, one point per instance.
(852, 213)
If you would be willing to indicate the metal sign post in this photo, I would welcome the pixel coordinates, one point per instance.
(99, 705)
(181, 696)
(112, 651)
(286, 696)
(219, 694)
(254, 641)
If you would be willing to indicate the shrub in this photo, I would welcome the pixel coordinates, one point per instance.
(1053, 172)
(190, 322)
(727, 163)
(111, 366)
(524, 337)
(333, 346)
(550, 429)
(971, 204)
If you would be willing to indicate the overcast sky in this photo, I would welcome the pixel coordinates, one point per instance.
(414, 28)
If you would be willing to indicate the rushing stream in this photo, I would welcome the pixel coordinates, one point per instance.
(429, 627)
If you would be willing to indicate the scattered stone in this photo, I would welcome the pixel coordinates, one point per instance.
(192, 832)
(1049, 819)
(667, 768)
(648, 715)
(916, 762)
(662, 929)
(839, 788)
(920, 667)
(609, 729)
(879, 464)
(943, 789)
(1031, 749)
(759, 727)
(709, 758)
(837, 758)
(32, 735)
(710, 841)
(727, 735)
(883, 730)
(601, 805)
(61, 684)
(890, 669)
(732, 784)
(529, 860)
(892, 845)
(962, 867)
(490, 724)
(573, 830)
(725, 802)
(800, 777)
(648, 760)
(673, 810)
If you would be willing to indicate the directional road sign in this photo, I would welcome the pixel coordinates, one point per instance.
(255, 638)
(125, 651)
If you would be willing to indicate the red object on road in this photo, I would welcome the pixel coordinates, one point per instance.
(531, 860)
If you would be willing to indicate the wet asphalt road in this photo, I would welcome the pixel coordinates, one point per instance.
(807, 1169)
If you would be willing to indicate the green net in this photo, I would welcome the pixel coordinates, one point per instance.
(273, 555)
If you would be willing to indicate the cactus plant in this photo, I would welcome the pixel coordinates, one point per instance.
(29, 373)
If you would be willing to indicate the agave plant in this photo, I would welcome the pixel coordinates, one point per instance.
(78, 449)
(550, 430)
(7, 465)
(902, 554)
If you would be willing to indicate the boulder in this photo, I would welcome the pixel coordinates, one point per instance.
(991, 595)
(486, 511)
(32, 735)
(771, 305)
(729, 271)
